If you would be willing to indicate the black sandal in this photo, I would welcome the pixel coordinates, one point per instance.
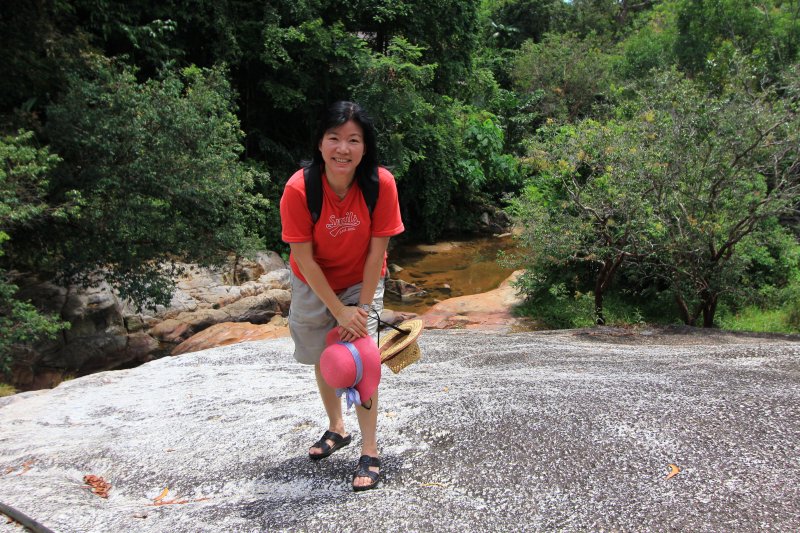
(327, 449)
(362, 470)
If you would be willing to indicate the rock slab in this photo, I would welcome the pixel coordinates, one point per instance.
(568, 430)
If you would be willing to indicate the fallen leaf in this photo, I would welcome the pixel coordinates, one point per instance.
(98, 485)
(162, 495)
(673, 470)
(390, 414)
(446, 389)
(25, 467)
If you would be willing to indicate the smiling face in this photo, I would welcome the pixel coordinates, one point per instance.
(342, 148)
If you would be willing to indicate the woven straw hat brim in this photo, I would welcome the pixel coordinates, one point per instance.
(405, 357)
(394, 342)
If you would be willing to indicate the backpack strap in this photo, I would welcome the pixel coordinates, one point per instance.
(312, 176)
(313, 180)
(370, 187)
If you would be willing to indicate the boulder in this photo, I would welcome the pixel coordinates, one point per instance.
(405, 290)
(277, 279)
(107, 332)
(232, 333)
(488, 310)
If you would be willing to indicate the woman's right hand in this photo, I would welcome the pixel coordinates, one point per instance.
(352, 323)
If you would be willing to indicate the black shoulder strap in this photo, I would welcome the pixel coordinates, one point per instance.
(313, 181)
(370, 186)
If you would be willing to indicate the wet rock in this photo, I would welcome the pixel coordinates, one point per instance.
(405, 290)
(489, 310)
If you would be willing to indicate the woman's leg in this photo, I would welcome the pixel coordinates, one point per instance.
(368, 423)
(333, 406)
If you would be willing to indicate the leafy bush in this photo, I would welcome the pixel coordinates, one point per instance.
(156, 165)
(23, 182)
(573, 74)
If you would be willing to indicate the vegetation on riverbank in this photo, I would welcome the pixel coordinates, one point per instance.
(649, 150)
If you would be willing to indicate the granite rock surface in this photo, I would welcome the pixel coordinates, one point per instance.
(567, 430)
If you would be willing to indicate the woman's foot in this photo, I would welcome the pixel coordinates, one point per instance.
(327, 444)
(367, 473)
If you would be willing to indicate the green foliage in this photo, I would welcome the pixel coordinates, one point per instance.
(23, 181)
(516, 21)
(572, 73)
(650, 47)
(484, 166)
(731, 168)
(689, 189)
(707, 30)
(156, 165)
(152, 167)
(448, 32)
(589, 205)
(756, 319)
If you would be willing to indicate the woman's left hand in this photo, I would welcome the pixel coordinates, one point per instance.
(352, 323)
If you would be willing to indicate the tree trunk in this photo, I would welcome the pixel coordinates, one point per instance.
(683, 310)
(598, 307)
(709, 309)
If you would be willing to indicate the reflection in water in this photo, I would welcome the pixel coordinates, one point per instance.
(467, 267)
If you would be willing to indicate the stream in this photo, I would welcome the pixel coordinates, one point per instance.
(466, 267)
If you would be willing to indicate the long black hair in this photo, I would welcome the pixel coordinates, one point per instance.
(336, 115)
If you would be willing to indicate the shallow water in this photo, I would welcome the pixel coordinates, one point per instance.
(467, 267)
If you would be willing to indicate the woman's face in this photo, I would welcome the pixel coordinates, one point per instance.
(342, 148)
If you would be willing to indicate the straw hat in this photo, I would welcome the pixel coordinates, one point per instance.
(399, 350)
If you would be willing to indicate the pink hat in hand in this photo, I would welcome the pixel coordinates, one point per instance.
(352, 368)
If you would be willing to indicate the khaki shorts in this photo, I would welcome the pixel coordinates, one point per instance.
(310, 321)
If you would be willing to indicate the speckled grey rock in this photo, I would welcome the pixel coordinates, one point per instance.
(569, 430)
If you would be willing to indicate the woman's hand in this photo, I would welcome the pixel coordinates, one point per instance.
(352, 323)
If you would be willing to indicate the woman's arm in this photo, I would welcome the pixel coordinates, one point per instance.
(352, 320)
(372, 268)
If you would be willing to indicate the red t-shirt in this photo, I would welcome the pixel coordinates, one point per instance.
(341, 235)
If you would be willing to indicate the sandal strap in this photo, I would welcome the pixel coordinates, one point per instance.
(369, 460)
(366, 461)
(322, 443)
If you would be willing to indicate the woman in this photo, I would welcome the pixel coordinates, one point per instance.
(338, 264)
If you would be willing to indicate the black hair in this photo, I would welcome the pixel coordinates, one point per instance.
(336, 115)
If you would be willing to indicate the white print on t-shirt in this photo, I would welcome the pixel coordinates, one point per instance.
(337, 226)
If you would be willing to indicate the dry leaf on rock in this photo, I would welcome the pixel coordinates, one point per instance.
(98, 485)
(162, 495)
(673, 470)
(25, 467)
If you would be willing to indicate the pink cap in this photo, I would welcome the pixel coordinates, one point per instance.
(338, 364)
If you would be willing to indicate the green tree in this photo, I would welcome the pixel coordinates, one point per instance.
(156, 165)
(412, 134)
(571, 74)
(732, 167)
(588, 208)
(708, 31)
(23, 184)
(515, 21)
